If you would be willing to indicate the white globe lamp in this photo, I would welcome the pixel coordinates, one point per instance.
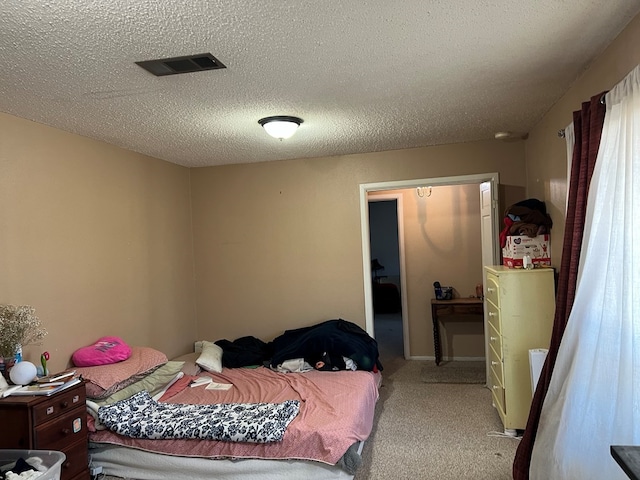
(22, 373)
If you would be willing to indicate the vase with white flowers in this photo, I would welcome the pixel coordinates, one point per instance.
(19, 326)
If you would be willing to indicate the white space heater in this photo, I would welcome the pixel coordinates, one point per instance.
(536, 361)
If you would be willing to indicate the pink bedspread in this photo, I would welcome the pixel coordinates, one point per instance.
(336, 411)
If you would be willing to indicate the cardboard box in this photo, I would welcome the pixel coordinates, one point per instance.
(517, 246)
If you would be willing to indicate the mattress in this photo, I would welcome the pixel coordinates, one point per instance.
(124, 462)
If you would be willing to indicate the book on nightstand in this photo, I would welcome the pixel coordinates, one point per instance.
(45, 388)
(58, 377)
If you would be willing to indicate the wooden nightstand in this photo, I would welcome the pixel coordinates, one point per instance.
(57, 422)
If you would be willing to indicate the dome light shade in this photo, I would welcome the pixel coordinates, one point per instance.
(280, 126)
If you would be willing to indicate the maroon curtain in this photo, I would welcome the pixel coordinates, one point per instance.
(588, 129)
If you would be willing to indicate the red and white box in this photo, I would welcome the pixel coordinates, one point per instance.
(517, 246)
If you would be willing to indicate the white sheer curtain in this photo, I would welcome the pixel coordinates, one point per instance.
(570, 139)
(594, 396)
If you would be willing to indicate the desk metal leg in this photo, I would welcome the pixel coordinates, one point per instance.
(436, 334)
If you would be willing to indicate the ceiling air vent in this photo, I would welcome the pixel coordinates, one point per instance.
(188, 64)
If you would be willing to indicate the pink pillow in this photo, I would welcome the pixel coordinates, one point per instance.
(104, 380)
(104, 351)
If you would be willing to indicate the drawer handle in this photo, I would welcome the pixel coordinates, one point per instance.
(495, 387)
(493, 362)
(489, 289)
(493, 314)
(493, 339)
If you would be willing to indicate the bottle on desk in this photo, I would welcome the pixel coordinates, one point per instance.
(438, 290)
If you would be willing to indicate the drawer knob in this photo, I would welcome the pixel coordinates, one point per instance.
(495, 387)
(493, 362)
(493, 339)
(489, 289)
(492, 314)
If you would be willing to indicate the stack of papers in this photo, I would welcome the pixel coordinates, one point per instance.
(200, 381)
(210, 384)
(219, 386)
(42, 388)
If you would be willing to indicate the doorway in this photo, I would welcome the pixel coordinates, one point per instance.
(377, 189)
(386, 282)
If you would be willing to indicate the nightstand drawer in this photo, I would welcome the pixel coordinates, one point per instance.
(59, 405)
(63, 432)
(76, 461)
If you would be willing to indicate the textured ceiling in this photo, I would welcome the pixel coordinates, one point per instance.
(365, 75)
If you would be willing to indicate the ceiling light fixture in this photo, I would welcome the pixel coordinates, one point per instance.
(511, 136)
(280, 126)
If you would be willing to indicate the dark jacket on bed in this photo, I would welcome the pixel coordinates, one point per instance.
(330, 340)
(244, 352)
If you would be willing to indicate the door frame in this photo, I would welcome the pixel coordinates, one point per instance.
(365, 188)
(401, 261)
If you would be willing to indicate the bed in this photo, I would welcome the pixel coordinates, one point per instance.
(329, 415)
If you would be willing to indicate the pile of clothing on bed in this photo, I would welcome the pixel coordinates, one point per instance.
(331, 345)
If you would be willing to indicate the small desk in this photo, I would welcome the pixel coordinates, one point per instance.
(456, 306)
(628, 457)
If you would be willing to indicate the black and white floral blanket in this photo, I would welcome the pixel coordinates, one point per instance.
(139, 416)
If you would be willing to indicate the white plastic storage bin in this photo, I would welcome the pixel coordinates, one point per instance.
(50, 461)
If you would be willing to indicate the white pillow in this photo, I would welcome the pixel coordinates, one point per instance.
(211, 357)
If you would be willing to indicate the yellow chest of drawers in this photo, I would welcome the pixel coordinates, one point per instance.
(519, 306)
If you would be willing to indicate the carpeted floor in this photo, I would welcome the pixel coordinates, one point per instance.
(444, 431)
(454, 372)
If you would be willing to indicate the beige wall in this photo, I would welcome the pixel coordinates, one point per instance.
(96, 238)
(546, 153)
(99, 239)
(442, 243)
(278, 244)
